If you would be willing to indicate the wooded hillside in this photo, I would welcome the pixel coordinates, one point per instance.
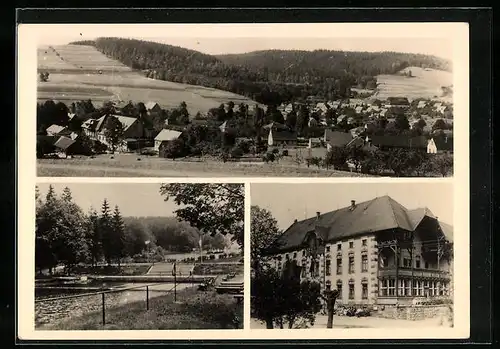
(269, 77)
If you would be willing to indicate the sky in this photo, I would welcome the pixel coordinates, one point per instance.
(133, 199)
(310, 198)
(230, 38)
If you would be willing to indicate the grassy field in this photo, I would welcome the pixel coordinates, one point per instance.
(81, 72)
(193, 310)
(424, 84)
(127, 165)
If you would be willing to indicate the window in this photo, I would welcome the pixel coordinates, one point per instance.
(364, 263)
(391, 288)
(351, 290)
(287, 257)
(328, 267)
(339, 266)
(407, 262)
(351, 244)
(426, 265)
(303, 271)
(339, 247)
(328, 249)
(363, 242)
(432, 289)
(417, 262)
(415, 288)
(328, 287)
(421, 289)
(339, 288)
(383, 288)
(364, 290)
(351, 265)
(407, 284)
(295, 255)
(401, 290)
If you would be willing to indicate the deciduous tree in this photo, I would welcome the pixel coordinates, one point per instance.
(212, 208)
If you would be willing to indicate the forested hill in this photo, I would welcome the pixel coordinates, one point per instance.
(269, 77)
(296, 65)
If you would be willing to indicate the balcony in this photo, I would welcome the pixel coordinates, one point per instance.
(417, 273)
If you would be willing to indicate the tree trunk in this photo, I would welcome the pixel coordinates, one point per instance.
(269, 323)
(329, 323)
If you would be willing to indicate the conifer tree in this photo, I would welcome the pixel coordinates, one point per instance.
(118, 229)
(106, 232)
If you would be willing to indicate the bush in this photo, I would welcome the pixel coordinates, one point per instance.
(236, 152)
(284, 152)
(269, 157)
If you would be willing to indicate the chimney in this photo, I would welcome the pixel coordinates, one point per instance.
(318, 214)
(353, 205)
(295, 220)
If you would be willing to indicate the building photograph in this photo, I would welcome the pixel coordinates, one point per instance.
(359, 255)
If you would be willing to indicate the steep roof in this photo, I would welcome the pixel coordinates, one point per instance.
(400, 141)
(444, 143)
(167, 135)
(337, 139)
(150, 105)
(379, 214)
(284, 136)
(55, 129)
(126, 121)
(64, 142)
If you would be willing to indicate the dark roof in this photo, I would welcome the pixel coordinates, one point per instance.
(337, 139)
(444, 143)
(400, 141)
(398, 100)
(379, 214)
(284, 136)
(64, 143)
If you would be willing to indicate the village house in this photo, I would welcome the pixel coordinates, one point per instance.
(153, 108)
(57, 130)
(421, 104)
(341, 118)
(321, 108)
(398, 141)
(312, 122)
(358, 110)
(165, 136)
(340, 139)
(376, 252)
(440, 145)
(132, 130)
(282, 138)
(397, 102)
(65, 146)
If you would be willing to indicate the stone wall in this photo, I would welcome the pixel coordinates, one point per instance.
(415, 312)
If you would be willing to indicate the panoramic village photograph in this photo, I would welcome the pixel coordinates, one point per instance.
(127, 256)
(168, 106)
(356, 255)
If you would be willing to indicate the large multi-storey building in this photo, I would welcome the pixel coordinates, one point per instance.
(374, 252)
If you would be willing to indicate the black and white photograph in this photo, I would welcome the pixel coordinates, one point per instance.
(352, 256)
(138, 256)
(150, 102)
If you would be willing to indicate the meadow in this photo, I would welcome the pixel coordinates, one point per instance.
(424, 83)
(81, 72)
(126, 165)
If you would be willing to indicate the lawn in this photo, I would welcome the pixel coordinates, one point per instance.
(194, 310)
(125, 165)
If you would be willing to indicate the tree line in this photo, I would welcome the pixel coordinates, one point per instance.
(269, 77)
(66, 235)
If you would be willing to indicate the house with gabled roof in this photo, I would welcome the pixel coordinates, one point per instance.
(133, 130)
(375, 252)
(152, 107)
(165, 136)
(57, 130)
